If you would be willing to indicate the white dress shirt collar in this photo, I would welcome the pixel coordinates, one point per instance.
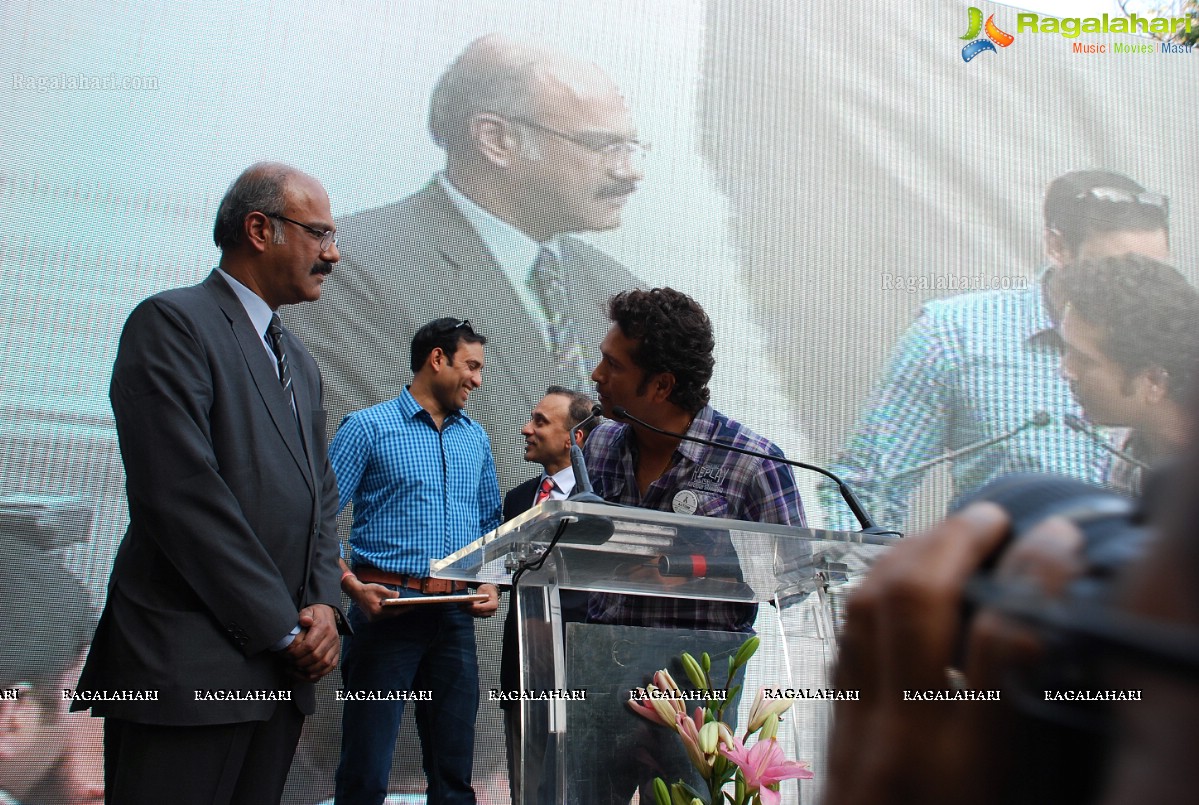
(258, 310)
(513, 250)
(564, 483)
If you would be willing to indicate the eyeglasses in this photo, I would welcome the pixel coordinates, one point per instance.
(608, 146)
(1119, 196)
(327, 237)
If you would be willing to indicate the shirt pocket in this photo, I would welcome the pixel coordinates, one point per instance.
(710, 504)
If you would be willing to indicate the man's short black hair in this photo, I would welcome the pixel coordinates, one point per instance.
(1147, 312)
(580, 408)
(1082, 204)
(48, 620)
(673, 334)
(445, 334)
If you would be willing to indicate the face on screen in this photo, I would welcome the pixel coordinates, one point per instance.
(1104, 390)
(78, 777)
(50, 755)
(1150, 243)
(575, 171)
(32, 744)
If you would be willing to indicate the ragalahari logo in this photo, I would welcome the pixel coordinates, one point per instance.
(994, 35)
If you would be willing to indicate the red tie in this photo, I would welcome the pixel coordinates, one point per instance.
(543, 491)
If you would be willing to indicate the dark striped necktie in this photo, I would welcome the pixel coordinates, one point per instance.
(274, 331)
(546, 281)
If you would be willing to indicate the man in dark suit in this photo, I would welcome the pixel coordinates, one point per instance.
(222, 605)
(548, 434)
(538, 145)
(547, 442)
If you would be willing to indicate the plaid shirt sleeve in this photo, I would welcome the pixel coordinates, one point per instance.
(776, 500)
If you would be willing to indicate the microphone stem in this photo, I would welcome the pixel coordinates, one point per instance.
(859, 512)
(961, 451)
(1080, 426)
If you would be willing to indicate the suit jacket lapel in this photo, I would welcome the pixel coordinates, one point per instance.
(264, 376)
(590, 315)
(504, 315)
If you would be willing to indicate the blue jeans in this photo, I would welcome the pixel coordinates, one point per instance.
(430, 647)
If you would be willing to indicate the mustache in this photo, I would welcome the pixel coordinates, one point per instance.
(322, 268)
(617, 189)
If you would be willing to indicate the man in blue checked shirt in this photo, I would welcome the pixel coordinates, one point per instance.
(423, 483)
(978, 366)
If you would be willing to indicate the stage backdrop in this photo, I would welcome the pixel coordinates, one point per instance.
(808, 159)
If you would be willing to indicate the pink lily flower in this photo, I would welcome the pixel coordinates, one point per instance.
(651, 709)
(691, 742)
(660, 701)
(763, 707)
(701, 740)
(763, 766)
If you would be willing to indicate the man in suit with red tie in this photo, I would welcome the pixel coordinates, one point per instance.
(548, 437)
(547, 442)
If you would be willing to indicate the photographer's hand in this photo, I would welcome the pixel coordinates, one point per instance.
(902, 633)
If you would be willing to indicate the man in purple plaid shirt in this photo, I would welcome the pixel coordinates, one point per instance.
(656, 361)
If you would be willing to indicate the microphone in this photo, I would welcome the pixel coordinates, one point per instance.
(698, 566)
(1075, 422)
(597, 412)
(1038, 420)
(864, 520)
(702, 566)
(583, 492)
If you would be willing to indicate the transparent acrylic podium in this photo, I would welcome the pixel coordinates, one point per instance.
(582, 744)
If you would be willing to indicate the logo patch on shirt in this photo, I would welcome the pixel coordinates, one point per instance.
(710, 477)
(685, 502)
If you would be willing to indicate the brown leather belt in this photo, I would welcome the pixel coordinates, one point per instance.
(372, 575)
